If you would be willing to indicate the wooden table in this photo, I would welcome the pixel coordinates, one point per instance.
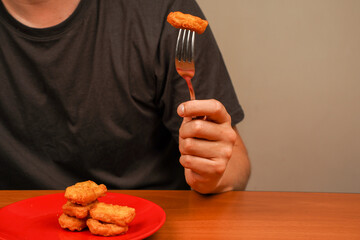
(245, 215)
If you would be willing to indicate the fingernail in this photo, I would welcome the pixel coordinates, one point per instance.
(181, 110)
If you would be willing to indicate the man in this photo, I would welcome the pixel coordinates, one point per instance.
(89, 91)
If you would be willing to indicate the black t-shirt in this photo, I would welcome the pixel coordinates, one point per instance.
(95, 97)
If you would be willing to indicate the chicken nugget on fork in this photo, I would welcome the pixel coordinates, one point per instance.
(84, 193)
(108, 213)
(187, 21)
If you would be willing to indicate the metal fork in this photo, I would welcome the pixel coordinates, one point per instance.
(184, 57)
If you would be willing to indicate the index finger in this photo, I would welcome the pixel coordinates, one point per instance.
(212, 109)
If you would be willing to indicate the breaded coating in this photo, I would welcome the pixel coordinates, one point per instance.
(187, 21)
(76, 210)
(84, 193)
(119, 215)
(105, 229)
(72, 223)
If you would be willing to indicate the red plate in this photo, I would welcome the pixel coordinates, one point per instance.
(37, 218)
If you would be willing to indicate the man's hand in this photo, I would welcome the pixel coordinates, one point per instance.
(207, 145)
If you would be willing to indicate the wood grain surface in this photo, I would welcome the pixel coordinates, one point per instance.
(245, 215)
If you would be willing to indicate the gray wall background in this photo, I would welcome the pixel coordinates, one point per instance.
(295, 65)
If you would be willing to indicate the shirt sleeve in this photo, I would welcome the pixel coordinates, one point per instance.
(211, 80)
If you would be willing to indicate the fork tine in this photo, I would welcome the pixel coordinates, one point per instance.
(192, 54)
(177, 49)
(188, 47)
(183, 47)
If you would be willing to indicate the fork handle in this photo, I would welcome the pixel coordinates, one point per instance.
(191, 89)
(192, 96)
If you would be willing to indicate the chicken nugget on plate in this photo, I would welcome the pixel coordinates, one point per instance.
(72, 223)
(84, 193)
(77, 210)
(105, 229)
(187, 21)
(109, 213)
